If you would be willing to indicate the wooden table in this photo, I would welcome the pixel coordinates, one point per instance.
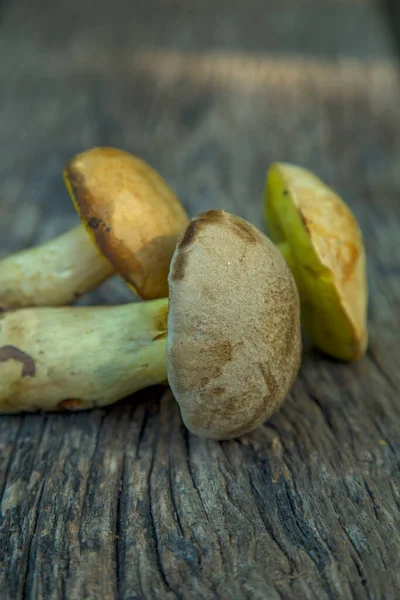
(123, 503)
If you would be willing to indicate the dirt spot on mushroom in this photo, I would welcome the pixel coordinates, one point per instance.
(269, 379)
(218, 391)
(213, 215)
(253, 417)
(69, 404)
(179, 266)
(190, 234)
(13, 353)
(161, 319)
(303, 219)
(212, 372)
(221, 352)
(160, 336)
(94, 222)
(225, 412)
(347, 258)
(85, 205)
(243, 230)
(77, 185)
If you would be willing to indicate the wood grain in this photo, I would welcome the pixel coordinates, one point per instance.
(123, 503)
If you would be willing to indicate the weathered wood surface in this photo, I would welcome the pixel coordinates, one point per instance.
(123, 503)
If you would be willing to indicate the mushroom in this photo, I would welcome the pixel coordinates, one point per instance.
(133, 220)
(230, 346)
(322, 243)
(234, 338)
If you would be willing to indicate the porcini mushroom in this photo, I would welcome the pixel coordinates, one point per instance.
(133, 220)
(231, 353)
(234, 343)
(322, 243)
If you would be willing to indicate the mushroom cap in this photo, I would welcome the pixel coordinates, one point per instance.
(131, 214)
(320, 237)
(234, 335)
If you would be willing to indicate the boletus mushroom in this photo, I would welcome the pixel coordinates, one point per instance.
(131, 220)
(322, 243)
(228, 339)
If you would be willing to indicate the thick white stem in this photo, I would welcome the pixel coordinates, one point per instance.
(77, 358)
(53, 274)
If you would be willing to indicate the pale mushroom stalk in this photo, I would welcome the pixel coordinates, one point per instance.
(74, 358)
(54, 273)
(131, 220)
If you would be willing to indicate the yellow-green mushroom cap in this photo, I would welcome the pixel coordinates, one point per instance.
(234, 335)
(320, 238)
(131, 214)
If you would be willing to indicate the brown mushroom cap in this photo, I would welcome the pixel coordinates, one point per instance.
(234, 342)
(323, 244)
(131, 213)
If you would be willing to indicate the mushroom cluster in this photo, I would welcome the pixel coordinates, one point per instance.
(222, 319)
(228, 338)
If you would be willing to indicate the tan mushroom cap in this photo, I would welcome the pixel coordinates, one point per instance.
(322, 242)
(131, 214)
(234, 342)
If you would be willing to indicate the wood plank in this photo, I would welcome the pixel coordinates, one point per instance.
(392, 10)
(123, 503)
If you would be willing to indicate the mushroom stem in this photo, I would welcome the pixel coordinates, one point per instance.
(81, 357)
(54, 273)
